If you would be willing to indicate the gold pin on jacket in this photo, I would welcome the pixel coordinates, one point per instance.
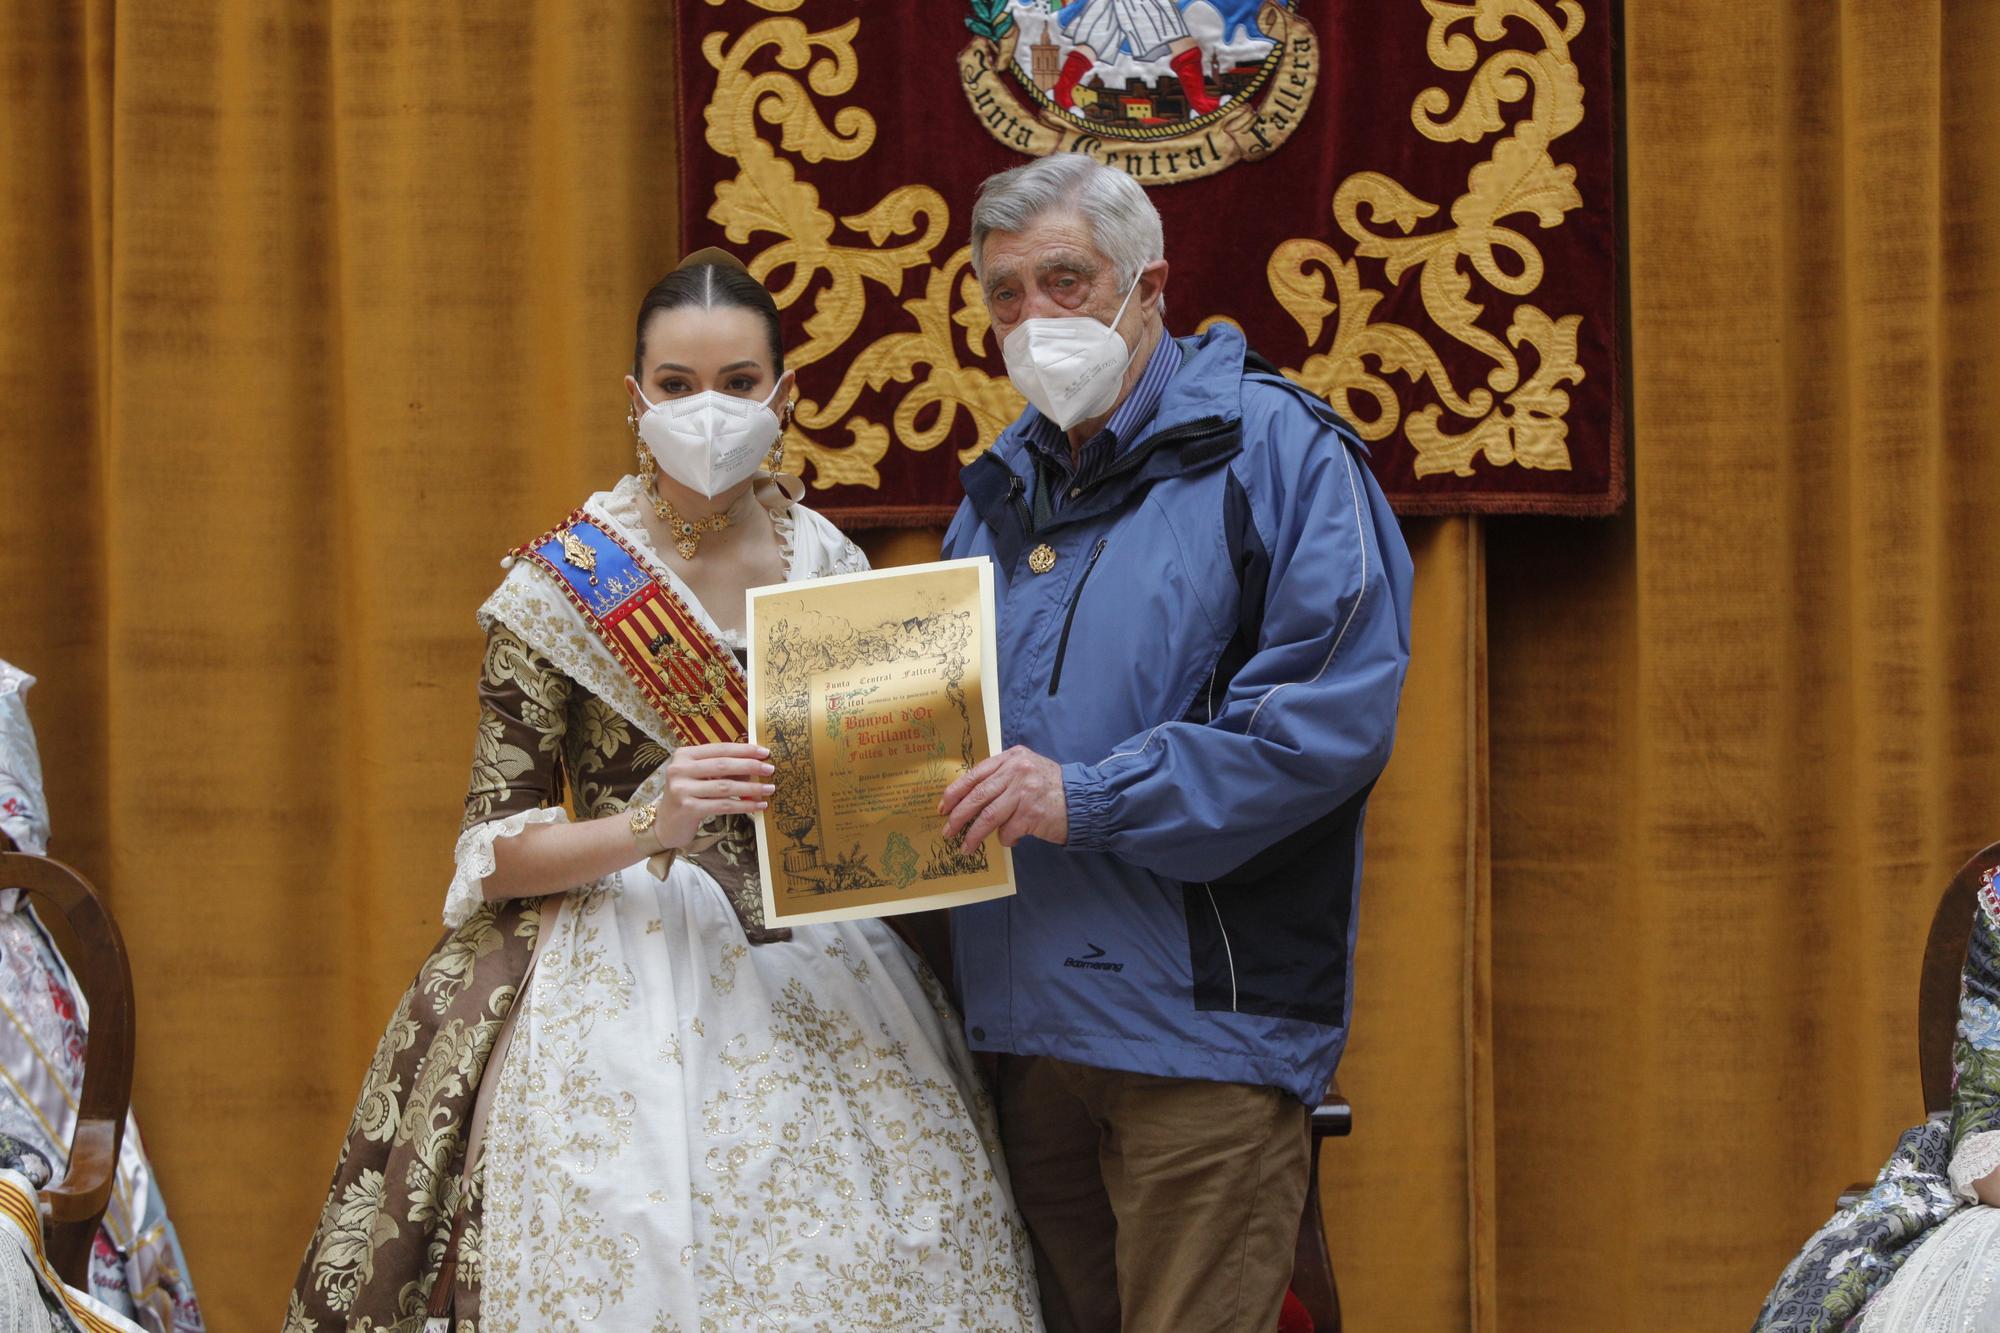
(1042, 559)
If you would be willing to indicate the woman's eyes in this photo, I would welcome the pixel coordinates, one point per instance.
(734, 384)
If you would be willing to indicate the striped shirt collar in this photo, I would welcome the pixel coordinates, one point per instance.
(1051, 443)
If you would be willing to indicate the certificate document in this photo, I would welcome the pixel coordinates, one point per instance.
(873, 692)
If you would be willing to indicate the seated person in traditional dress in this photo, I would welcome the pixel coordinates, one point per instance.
(612, 1097)
(1920, 1253)
(33, 1296)
(136, 1265)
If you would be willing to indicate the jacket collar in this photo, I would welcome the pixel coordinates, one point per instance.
(1198, 422)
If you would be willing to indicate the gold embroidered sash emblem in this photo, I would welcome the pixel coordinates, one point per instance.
(576, 553)
(676, 663)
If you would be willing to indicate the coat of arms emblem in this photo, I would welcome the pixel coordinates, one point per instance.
(1169, 90)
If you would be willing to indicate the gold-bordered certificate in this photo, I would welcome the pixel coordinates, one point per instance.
(872, 692)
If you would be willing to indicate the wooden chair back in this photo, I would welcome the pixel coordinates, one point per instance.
(1944, 963)
(76, 1202)
(1312, 1263)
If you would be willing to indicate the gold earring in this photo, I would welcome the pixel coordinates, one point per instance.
(645, 455)
(775, 460)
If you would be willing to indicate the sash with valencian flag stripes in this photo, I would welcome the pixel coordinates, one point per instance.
(19, 1214)
(691, 680)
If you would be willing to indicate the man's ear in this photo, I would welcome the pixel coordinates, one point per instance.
(1153, 284)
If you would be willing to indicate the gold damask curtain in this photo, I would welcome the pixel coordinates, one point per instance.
(314, 309)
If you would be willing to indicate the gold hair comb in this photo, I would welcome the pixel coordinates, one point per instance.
(713, 254)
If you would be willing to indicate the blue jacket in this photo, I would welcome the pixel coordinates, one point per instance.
(1215, 659)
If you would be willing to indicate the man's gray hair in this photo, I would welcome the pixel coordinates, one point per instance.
(1123, 222)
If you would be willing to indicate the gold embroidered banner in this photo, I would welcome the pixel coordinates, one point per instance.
(1407, 204)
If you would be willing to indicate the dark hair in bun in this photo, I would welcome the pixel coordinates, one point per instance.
(706, 280)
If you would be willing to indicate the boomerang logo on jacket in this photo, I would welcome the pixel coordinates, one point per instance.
(1089, 960)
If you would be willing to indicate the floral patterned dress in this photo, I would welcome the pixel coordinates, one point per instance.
(1919, 1253)
(136, 1265)
(696, 1124)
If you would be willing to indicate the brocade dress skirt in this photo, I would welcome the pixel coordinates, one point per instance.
(1948, 1285)
(694, 1133)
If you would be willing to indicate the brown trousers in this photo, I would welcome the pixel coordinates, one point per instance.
(1156, 1205)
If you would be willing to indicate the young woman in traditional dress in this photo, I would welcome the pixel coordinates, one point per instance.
(611, 1097)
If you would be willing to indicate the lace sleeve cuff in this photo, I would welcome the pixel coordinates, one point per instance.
(1977, 1157)
(474, 859)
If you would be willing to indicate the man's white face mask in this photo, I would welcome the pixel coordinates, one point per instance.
(710, 441)
(1070, 367)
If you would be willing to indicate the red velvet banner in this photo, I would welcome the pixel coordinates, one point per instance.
(1410, 205)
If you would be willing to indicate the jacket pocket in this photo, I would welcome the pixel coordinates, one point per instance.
(1069, 618)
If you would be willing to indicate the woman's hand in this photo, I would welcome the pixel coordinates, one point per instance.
(702, 780)
(708, 780)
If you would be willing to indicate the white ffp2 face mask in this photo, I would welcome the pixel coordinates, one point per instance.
(710, 441)
(1070, 367)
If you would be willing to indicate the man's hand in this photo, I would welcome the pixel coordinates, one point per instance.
(1017, 794)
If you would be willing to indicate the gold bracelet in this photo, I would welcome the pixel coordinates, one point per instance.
(644, 823)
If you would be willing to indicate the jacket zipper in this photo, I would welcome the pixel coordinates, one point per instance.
(1015, 497)
(1076, 599)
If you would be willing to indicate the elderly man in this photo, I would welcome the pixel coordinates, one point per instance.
(1203, 630)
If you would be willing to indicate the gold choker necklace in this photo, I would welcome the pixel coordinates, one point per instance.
(687, 533)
